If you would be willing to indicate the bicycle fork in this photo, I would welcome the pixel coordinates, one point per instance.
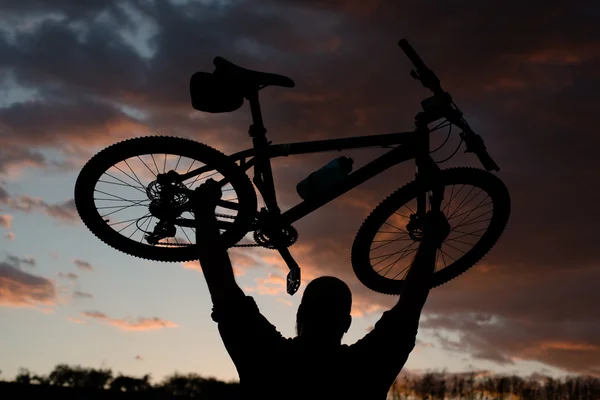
(428, 177)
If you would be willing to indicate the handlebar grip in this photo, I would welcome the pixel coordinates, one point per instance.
(411, 54)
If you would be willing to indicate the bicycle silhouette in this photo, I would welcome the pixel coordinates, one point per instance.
(166, 182)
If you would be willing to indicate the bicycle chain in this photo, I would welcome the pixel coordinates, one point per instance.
(237, 245)
(248, 244)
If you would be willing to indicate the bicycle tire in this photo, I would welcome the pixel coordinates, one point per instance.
(361, 262)
(110, 156)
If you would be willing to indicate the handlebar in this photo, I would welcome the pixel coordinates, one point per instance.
(422, 73)
(474, 143)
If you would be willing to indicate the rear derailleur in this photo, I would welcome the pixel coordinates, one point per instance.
(168, 200)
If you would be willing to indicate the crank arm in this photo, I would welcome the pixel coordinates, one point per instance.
(293, 277)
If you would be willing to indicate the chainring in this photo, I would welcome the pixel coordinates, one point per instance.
(284, 237)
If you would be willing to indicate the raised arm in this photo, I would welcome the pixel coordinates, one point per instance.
(420, 275)
(212, 255)
(244, 330)
(392, 339)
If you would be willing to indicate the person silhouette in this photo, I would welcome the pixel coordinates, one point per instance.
(314, 364)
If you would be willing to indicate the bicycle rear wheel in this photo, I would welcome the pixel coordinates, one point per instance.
(120, 200)
(384, 243)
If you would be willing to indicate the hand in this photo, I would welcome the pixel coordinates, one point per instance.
(435, 228)
(207, 195)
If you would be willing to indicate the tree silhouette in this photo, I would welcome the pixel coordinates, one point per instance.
(431, 386)
(64, 375)
(128, 384)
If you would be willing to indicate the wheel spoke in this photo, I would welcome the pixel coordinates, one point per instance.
(461, 203)
(443, 252)
(463, 213)
(395, 227)
(471, 212)
(120, 209)
(132, 171)
(455, 248)
(152, 172)
(388, 242)
(155, 166)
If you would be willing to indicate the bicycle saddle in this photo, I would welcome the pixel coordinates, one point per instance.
(247, 76)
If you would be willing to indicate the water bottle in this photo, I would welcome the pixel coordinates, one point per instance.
(325, 178)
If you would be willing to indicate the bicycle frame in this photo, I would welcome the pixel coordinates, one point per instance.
(405, 151)
(410, 145)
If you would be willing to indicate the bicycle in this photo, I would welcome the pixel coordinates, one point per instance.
(166, 197)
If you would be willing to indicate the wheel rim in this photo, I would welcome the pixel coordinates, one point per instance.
(112, 195)
(132, 177)
(363, 248)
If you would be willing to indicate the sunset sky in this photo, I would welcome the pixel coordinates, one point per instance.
(78, 76)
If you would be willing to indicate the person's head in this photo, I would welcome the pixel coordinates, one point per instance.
(324, 311)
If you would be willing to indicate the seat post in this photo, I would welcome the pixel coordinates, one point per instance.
(257, 129)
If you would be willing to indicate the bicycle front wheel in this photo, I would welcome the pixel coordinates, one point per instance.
(477, 206)
(119, 199)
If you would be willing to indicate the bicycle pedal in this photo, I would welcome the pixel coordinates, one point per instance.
(293, 281)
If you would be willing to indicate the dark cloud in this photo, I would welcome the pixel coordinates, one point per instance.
(526, 75)
(68, 275)
(83, 265)
(65, 212)
(21, 289)
(82, 295)
(18, 261)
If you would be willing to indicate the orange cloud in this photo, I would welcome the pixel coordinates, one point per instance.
(271, 285)
(21, 289)
(10, 236)
(568, 346)
(140, 324)
(239, 262)
(77, 320)
(192, 265)
(362, 306)
(6, 221)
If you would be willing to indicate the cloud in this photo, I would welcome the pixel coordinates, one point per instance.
(76, 320)
(65, 211)
(10, 236)
(83, 265)
(21, 289)
(239, 262)
(18, 261)
(82, 295)
(525, 88)
(273, 285)
(69, 275)
(138, 357)
(6, 221)
(139, 324)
